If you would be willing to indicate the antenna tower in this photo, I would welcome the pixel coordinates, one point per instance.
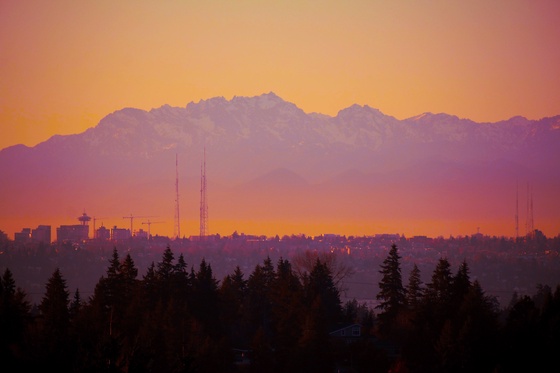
(530, 223)
(517, 211)
(203, 201)
(177, 230)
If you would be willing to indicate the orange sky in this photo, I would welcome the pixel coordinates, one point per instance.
(66, 64)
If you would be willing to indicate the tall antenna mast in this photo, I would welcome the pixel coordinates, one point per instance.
(529, 225)
(177, 230)
(531, 222)
(517, 211)
(203, 201)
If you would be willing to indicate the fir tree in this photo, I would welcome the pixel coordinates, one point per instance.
(56, 320)
(391, 290)
(414, 291)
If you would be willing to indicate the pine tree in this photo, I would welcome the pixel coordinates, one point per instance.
(286, 299)
(391, 290)
(54, 305)
(56, 320)
(414, 290)
(461, 284)
(165, 267)
(76, 304)
(321, 286)
(258, 302)
(205, 298)
(14, 317)
(439, 289)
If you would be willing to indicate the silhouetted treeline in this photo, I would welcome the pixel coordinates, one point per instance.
(501, 265)
(179, 318)
(451, 325)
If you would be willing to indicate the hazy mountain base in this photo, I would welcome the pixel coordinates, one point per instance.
(268, 161)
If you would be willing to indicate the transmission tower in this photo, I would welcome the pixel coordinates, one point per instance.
(177, 230)
(203, 201)
(517, 211)
(530, 223)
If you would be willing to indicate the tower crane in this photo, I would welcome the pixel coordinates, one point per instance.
(131, 217)
(94, 220)
(149, 224)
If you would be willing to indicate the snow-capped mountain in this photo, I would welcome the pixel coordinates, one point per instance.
(361, 154)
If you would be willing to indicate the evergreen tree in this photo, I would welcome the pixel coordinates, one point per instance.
(320, 286)
(520, 345)
(205, 300)
(14, 318)
(414, 290)
(76, 304)
(165, 267)
(258, 303)
(233, 293)
(314, 352)
(55, 323)
(439, 292)
(460, 285)
(391, 291)
(286, 299)
(149, 288)
(54, 305)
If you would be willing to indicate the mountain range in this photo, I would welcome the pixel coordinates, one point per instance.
(271, 167)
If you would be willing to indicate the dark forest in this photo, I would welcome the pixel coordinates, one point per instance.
(179, 318)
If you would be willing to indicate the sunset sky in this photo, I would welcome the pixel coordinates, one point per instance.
(64, 65)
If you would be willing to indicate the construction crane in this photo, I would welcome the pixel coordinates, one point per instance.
(94, 220)
(149, 224)
(131, 217)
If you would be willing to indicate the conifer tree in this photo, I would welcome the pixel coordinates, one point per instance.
(205, 298)
(391, 290)
(165, 267)
(14, 317)
(321, 287)
(414, 291)
(461, 284)
(56, 320)
(439, 289)
(76, 304)
(54, 305)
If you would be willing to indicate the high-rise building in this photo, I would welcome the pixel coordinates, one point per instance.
(23, 237)
(118, 234)
(41, 234)
(103, 234)
(72, 233)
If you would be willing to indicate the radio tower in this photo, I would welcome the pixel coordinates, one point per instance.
(177, 230)
(517, 211)
(530, 223)
(203, 201)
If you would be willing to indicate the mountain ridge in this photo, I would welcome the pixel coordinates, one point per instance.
(248, 138)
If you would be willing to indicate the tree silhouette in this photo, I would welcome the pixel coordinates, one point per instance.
(414, 291)
(322, 294)
(391, 291)
(55, 323)
(14, 318)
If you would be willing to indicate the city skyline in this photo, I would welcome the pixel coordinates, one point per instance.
(105, 98)
(273, 169)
